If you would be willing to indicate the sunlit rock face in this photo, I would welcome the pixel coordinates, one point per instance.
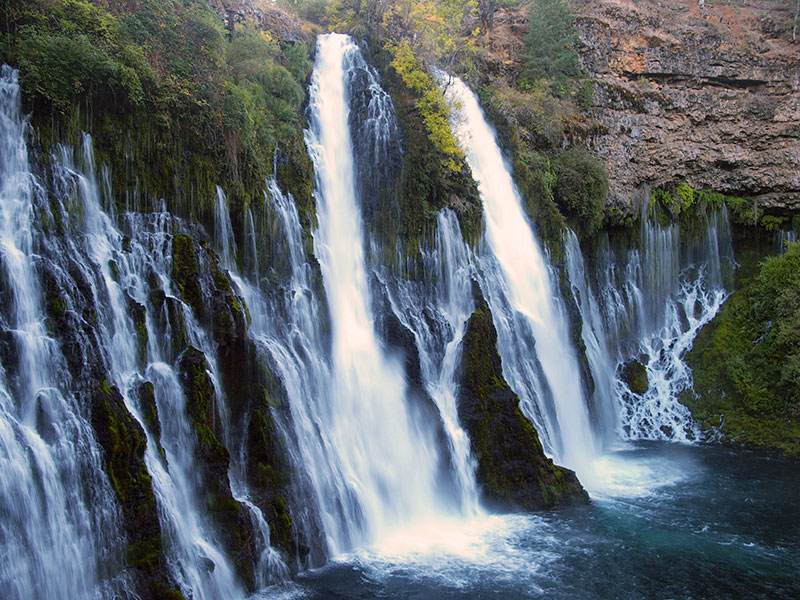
(707, 96)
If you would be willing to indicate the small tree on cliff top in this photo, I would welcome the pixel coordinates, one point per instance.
(549, 52)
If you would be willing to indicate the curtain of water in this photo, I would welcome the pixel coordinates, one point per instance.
(387, 460)
(647, 303)
(533, 336)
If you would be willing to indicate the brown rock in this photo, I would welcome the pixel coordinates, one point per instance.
(706, 96)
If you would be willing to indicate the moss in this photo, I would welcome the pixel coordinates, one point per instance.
(634, 374)
(746, 361)
(139, 313)
(513, 471)
(123, 443)
(186, 271)
(686, 203)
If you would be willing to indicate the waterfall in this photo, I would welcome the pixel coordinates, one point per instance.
(196, 558)
(533, 335)
(647, 303)
(223, 231)
(57, 513)
(383, 459)
(436, 310)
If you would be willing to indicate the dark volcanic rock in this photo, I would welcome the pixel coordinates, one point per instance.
(513, 471)
(123, 442)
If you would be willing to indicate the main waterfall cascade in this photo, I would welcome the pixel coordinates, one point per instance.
(387, 457)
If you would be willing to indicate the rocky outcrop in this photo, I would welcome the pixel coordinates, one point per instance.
(123, 442)
(265, 14)
(512, 470)
(707, 96)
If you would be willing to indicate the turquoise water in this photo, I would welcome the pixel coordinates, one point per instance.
(666, 521)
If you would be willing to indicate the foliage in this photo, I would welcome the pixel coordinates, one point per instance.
(686, 201)
(549, 52)
(581, 188)
(746, 362)
(430, 102)
(202, 105)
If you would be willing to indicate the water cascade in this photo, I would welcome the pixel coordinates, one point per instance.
(117, 278)
(533, 335)
(436, 310)
(387, 460)
(57, 513)
(647, 303)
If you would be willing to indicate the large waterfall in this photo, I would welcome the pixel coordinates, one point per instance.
(533, 334)
(387, 461)
(360, 362)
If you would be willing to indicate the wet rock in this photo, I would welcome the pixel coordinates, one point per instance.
(513, 472)
(123, 443)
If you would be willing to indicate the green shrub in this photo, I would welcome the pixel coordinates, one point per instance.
(549, 51)
(581, 188)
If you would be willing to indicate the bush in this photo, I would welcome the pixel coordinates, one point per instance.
(581, 188)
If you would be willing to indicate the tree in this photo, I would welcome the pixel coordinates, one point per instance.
(549, 52)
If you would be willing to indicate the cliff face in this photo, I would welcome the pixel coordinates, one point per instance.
(708, 96)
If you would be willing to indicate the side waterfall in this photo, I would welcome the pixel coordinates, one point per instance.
(533, 334)
(57, 512)
(647, 304)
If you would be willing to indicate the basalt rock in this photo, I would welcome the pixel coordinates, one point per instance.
(233, 525)
(124, 442)
(708, 96)
(513, 472)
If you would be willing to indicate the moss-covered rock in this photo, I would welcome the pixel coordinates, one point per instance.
(634, 374)
(233, 524)
(513, 471)
(746, 361)
(124, 442)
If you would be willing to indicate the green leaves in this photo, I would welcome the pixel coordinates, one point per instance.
(430, 102)
(549, 52)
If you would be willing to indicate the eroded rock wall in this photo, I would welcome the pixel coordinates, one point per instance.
(709, 96)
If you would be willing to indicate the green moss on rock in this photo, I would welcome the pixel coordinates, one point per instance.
(234, 526)
(746, 361)
(124, 442)
(513, 471)
(634, 374)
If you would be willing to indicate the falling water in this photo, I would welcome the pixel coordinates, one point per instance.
(533, 337)
(387, 460)
(647, 304)
(436, 310)
(196, 558)
(57, 513)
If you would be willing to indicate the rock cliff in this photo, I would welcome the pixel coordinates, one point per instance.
(707, 95)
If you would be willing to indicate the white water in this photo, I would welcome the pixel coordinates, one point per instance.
(387, 460)
(517, 283)
(436, 311)
(648, 305)
(196, 558)
(57, 515)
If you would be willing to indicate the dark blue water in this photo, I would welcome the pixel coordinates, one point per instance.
(669, 521)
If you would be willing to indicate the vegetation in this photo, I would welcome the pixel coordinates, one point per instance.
(581, 188)
(175, 102)
(511, 466)
(746, 362)
(685, 202)
(549, 46)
